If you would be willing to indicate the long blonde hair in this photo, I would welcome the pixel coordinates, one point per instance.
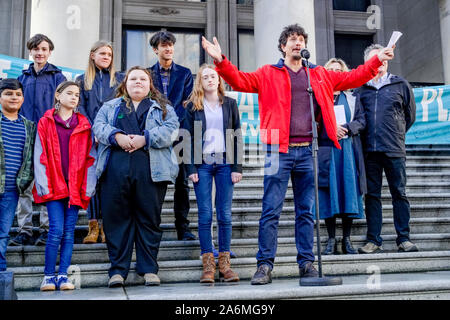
(338, 61)
(89, 75)
(198, 93)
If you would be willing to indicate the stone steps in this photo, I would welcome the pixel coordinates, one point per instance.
(249, 229)
(393, 286)
(190, 250)
(245, 187)
(428, 190)
(96, 275)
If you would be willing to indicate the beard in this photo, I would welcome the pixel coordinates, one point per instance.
(296, 57)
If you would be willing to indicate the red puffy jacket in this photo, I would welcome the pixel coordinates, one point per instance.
(49, 179)
(273, 86)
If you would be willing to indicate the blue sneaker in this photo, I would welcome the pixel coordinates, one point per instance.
(63, 283)
(48, 283)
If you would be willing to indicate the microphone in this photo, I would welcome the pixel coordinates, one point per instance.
(304, 53)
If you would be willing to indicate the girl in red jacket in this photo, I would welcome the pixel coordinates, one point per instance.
(64, 178)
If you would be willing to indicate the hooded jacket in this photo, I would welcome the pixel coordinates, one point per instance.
(49, 179)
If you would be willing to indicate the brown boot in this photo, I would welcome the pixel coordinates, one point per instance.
(225, 272)
(209, 268)
(102, 233)
(93, 232)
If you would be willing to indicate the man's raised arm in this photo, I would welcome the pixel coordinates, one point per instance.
(238, 80)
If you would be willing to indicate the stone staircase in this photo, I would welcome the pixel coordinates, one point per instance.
(428, 189)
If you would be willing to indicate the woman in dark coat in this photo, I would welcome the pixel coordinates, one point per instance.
(342, 179)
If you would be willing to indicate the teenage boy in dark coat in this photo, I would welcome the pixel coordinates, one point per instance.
(390, 110)
(39, 85)
(176, 83)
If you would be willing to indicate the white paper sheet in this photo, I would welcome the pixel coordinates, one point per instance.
(339, 111)
(394, 38)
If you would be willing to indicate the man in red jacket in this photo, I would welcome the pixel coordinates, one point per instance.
(287, 130)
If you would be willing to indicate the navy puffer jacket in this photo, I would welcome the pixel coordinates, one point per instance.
(39, 90)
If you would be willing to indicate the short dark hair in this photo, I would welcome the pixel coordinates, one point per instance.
(287, 32)
(37, 39)
(10, 84)
(162, 37)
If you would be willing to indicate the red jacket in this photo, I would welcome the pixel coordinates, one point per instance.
(49, 179)
(273, 85)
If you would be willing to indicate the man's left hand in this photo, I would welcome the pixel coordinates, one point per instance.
(386, 54)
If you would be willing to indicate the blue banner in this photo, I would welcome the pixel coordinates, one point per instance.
(11, 67)
(432, 124)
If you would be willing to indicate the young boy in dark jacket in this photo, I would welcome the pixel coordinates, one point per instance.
(17, 135)
(39, 83)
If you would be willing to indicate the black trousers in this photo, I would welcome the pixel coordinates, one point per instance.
(395, 170)
(181, 204)
(131, 204)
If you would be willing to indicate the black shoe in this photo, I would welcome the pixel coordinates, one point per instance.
(42, 240)
(347, 247)
(331, 247)
(187, 236)
(22, 239)
(308, 271)
(262, 275)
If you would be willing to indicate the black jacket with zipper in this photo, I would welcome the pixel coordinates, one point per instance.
(232, 133)
(390, 111)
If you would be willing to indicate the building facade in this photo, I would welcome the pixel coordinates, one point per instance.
(247, 30)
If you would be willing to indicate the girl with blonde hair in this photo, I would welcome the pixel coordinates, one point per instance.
(220, 151)
(98, 85)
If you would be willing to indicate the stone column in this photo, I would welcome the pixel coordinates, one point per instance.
(73, 27)
(270, 17)
(444, 9)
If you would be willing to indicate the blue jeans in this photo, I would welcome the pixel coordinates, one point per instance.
(395, 170)
(297, 165)
(8, 205)
(224, 196)
(62, 221)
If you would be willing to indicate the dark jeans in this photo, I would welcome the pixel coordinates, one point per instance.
(221, 173)
(62, 221)
(297, 165)
(8, 205)
(395, 171)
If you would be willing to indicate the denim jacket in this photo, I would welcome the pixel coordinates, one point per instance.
(160, 133)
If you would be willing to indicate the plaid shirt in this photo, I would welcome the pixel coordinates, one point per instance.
(165, 77)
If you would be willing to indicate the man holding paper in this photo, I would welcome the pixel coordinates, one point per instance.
(390, 110)
(286, 130)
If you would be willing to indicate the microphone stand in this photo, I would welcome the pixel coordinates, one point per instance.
(321, 280)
